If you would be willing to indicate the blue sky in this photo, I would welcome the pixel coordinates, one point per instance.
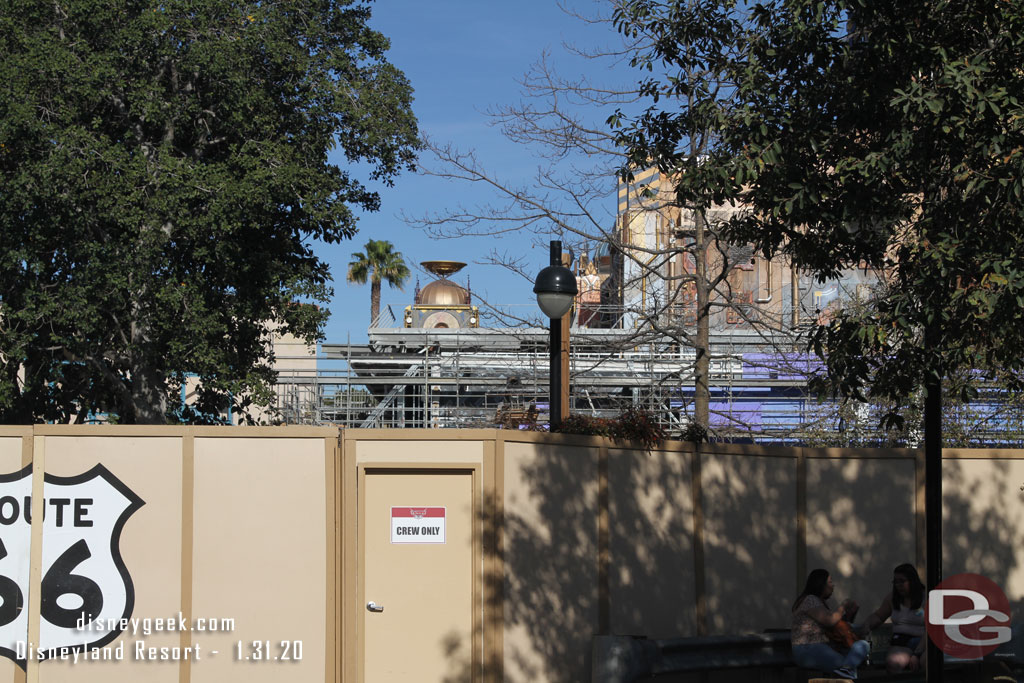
(462, 57)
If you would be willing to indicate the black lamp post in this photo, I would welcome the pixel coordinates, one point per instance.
(556, 290)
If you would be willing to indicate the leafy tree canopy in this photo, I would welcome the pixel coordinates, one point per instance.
(859, 133)
(165, 173)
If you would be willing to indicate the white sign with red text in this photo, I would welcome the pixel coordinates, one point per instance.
(417, 524)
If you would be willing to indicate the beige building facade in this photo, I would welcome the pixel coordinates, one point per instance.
(655, 274)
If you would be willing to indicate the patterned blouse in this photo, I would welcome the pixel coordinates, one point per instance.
(805, 630)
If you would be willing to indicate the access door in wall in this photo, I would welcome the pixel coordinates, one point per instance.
(417, 581)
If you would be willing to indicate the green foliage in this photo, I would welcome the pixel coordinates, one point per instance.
(695, 432)
(379, 263)
(994, 417)
(882, 135)
(165, 171)
(578, 423)
(633, 424)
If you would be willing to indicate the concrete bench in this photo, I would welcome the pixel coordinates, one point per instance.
(767, 657)
(622, 659)
(629, 659)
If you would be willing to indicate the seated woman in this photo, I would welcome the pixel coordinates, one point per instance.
(905, 606)
(811, 617)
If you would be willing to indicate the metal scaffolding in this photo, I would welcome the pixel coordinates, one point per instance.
(461, 378)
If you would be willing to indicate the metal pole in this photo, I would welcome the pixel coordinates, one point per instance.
(458, 375)
(348, 380)
(564, 397)
(555, 353)
(426, 378)
(933, 504)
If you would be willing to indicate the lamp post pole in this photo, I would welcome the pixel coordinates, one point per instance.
(556, 290)
(555, 352)
(563, 363)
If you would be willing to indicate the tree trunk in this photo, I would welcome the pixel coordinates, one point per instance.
(148, 392)
(702, 346)
(374, 300)
(149, 400)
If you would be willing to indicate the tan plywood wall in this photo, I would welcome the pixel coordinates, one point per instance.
(260, 556)
(651, 559)
(14, 444)
(861, 521)
(983, 520)
(413, 451)
(749, 540)
(550, 558)
(10, 452)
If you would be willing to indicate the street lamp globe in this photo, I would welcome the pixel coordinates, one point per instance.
(555, 289)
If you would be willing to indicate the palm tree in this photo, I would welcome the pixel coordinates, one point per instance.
(377, 264)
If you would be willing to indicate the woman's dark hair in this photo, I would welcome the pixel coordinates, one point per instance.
(909, 572)
(815, 586)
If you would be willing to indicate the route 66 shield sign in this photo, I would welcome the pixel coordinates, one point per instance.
(15, 542)
(86, 591)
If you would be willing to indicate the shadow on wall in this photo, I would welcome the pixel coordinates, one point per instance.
(458, 655)
(550, 551)
(860, 524)
(651, 558)
(750, 528)
(552, 541)
(983, 524)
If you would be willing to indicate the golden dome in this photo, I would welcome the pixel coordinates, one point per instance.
(443, 293)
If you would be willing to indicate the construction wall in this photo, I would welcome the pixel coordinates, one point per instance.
(562, 538)
(597, 538)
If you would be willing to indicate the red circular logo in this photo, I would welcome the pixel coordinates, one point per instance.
(968, 616)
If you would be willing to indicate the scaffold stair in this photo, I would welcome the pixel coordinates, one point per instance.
(389, 398)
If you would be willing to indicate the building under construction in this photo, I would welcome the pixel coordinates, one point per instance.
(644, 289)
(433, 366)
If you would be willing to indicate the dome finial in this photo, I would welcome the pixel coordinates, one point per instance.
(443, 268)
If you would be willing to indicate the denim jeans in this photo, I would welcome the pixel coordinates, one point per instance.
(821, 656)
(909, 643)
